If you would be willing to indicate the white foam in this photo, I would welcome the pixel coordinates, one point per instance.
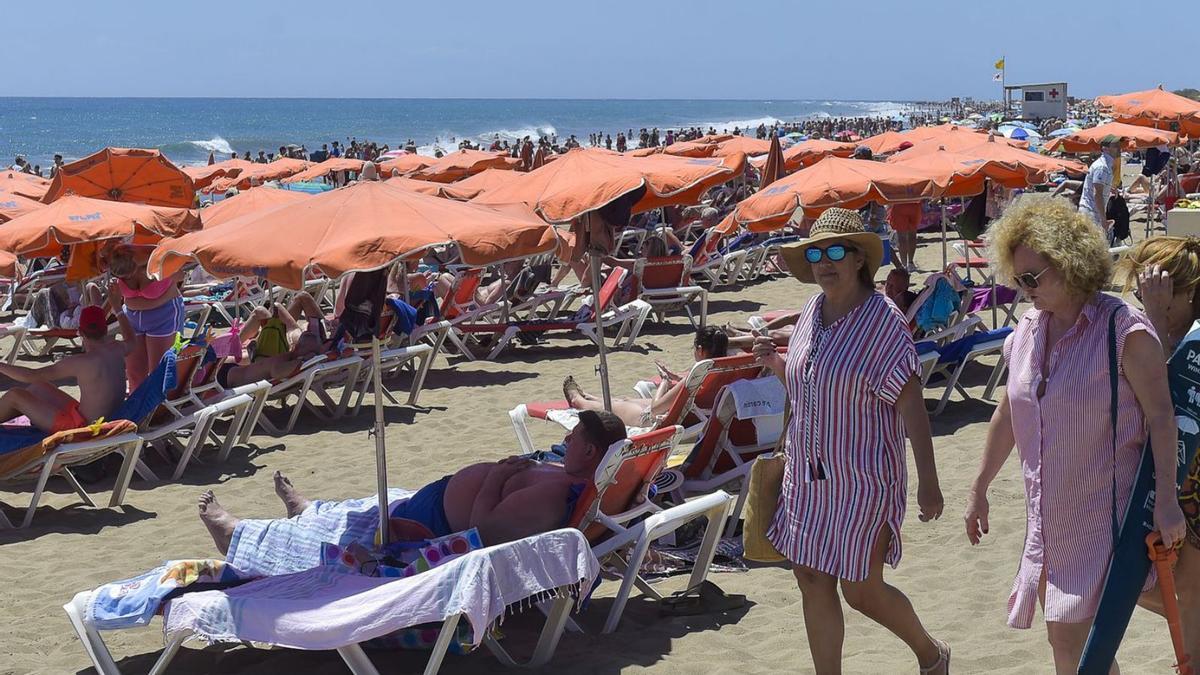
(215, 144)
(510, 135)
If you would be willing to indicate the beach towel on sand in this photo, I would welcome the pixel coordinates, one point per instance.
(265, 548)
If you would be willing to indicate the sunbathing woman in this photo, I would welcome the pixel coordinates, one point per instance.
(272, 368)
(710, 343)
(302, 315)
(778, 329)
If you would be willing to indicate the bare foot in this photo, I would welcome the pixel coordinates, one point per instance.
(293, 500)
(572, 391)
(218, 521)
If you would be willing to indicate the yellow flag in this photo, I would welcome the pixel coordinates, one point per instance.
(1000, 64)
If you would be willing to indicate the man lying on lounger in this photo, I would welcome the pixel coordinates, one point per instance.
(99, 371)
(271, 368)
(505, 501)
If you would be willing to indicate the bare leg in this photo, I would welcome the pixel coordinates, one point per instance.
(823, 620)
(24, 401)
(219, 522)
(887, 606)
(293, 500)
(155, 348)
(135, 362)
(253, 325)
(630, 411)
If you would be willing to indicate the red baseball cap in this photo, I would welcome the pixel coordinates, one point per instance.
(92, 322)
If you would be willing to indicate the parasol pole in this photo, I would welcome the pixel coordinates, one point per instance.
(380, 442)
(594, 262)
(945, 244)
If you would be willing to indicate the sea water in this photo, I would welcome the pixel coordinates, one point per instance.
(188, 129)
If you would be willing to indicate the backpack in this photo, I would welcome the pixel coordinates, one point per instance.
(1118, 211)
(272, 339)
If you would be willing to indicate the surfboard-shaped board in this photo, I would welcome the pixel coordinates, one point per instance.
(1130, 563)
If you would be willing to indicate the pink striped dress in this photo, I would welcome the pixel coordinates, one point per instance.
(843, 381)
(1064, 440)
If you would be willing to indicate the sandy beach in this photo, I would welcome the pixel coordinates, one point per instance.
(959, 591)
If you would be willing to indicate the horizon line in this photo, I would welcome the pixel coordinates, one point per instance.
(764, 99)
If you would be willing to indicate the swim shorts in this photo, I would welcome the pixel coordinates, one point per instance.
(421, 516)
(69, 418)
(163, 321)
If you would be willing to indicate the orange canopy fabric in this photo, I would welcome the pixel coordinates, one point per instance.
(807, 153)
(77, 220)
(13, 205)
(279, 169)
(990, 148)
(1135, 137)
(473, 186)
(250, 201)
(833, 181)
(24, 184)
(744, 145)
(772, 169)
(584, 180)
(364, 226)
(8, 265)
(203, 176)
(949, 136)
(964, 174)
(458, 165)
(406, 163)
(644, 152)
(130, 175)
(322, 169)
(1155, 108)
(422, 186)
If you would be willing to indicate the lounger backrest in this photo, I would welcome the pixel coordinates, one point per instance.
(608, 290)
(622, 480)
(186, 363)
(725, 370)
(687, 395)
(721, 429)
(463, 293)
(666, 272)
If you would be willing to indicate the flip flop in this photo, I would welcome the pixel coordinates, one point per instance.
(708, 598)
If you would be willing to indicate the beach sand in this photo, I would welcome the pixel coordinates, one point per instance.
(959, 591)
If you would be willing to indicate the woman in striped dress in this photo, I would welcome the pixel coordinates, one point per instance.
(1078, 478)
(851, 379)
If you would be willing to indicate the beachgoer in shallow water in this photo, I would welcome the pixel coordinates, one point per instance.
(99, 372)
(710, 343)
(505, 500)
(854, 393)
(1058, 367)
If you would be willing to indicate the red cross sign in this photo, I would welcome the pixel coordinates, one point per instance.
(1054, 93)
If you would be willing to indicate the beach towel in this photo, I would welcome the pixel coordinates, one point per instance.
(278, 546)
(761, 397)
(134, 602)
(935, 313)
(981, 297)
(328, 607)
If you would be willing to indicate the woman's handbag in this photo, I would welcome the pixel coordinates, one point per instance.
(766, 481)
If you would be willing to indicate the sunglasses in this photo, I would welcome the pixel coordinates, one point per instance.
(834, 252)
(1029, 279)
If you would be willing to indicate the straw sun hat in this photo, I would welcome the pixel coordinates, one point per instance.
(834, 225)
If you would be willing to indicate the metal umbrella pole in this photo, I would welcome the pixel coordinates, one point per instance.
(945, 243)
(380, 441)
(594, 261)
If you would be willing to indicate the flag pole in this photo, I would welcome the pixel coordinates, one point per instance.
(1003, 83)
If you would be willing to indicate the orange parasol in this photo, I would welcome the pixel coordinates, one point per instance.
(77, 220)
(260, 173)
(470, 188)
(125, 175)
(584, 180)
(322, 169)
(422, 186)
(744, 145)
(1155, 108)
(24, 184)
(463, 163)
(772, 169)
(203, 176)
(949, 136)
(989, 149)
(1133, 138)
(964, 174)
(365, 226)
(833, 181)
(807, 153)
(644, 152)
(406, 163)
(8, 266)
(250, 201)
(13, 205)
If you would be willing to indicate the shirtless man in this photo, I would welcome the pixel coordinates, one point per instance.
(99, 371)
(506, 500)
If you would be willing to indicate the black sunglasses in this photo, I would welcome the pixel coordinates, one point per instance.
(1029, 279)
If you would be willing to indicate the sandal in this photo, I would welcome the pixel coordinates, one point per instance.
(707, 598)
(570, 385)
(942, 665)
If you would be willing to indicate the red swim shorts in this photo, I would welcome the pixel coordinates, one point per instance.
(69, 418)
(905, 217)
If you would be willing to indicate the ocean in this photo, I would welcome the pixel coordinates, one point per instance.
(187, 129)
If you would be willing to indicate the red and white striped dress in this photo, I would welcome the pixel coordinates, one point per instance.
(843, 381)
(1065, 443)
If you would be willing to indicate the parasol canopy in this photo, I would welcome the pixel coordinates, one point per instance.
(78, 220)
(13, 205)
(458, 165)
(24, 184)
(1133, 137)
(322, 169)
(1156, 108)
(130, 175)
(250, 201)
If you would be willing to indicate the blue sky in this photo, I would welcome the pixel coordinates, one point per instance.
(869, 49)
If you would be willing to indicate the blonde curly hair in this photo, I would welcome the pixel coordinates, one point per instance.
(1178, 257)
(1058, 232)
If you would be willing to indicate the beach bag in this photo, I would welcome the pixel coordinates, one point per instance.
(762, 500)
(1117, 210)
(272, 339)
(971, 222)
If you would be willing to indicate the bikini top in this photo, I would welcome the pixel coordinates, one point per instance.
(152, 291)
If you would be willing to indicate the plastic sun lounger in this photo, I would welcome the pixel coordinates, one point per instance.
(65, 450)
(954, 357)
(17, 333)
(318, 376)
(367, 602)
(663, 284)
(392, 360)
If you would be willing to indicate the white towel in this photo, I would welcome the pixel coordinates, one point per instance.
(763, 397)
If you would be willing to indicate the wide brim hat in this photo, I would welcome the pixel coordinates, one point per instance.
(834, 224)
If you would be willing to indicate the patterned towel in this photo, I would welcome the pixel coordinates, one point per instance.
(133, 602)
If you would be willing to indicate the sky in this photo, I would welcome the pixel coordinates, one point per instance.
(862, 50)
